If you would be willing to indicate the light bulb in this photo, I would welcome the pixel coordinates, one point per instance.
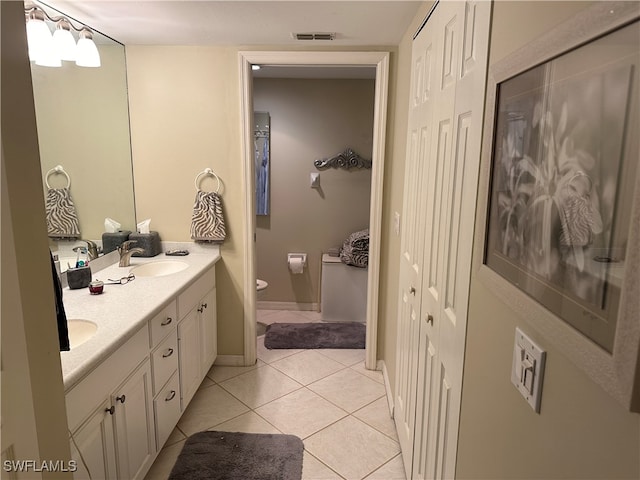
(38, 34)
(64, 42)
(87, 53)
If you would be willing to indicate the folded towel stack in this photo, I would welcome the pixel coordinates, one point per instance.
(355, 249)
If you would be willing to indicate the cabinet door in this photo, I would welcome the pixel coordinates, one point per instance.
(95, 441)
(208, 331)
(189, 356)
(135, 442)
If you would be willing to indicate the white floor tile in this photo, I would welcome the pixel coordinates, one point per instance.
(348, 389)
(175, 437)
(165, 461)
(392, 470)
(220, 373)
(342, 414)
(210, 406)
(270, 356)
(260, 386)
(377, 415)
(314, 469)
(345, 356)
(372, 374)
(351, 448)
(300, 413)
(249, 422)
(307, 366)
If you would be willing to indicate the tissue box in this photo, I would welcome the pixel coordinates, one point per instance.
(78, 277)
(111, 241)
(149, 242)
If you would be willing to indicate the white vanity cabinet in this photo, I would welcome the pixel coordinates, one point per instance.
(197, 334)
(110, 417)
(134, 428)
(122, 411)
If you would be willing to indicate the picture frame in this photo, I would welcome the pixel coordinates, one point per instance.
(559, 199)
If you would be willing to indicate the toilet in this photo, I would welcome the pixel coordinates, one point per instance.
(261, 286)
(343, 294)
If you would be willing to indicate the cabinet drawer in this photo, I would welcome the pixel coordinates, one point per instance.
(198, 289)
(167, 410)
(164, 360)
(163, 323)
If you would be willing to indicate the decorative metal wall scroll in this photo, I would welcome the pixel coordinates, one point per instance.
(347, 160)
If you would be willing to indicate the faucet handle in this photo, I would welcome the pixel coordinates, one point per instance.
(124, 246)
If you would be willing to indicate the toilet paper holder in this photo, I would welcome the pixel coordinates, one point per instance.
(300, 256)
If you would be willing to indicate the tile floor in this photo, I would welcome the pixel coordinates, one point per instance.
(326, 397)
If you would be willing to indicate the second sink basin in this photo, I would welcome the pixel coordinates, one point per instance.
(80, 331)
(158, 269)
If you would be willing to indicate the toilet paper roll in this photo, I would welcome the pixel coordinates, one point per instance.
(296, 265)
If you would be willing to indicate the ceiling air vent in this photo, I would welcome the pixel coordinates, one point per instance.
(314, 36)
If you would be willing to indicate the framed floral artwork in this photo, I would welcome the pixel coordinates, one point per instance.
(562, 181)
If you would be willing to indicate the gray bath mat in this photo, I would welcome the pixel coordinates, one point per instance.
(315, 335)
(239, 456)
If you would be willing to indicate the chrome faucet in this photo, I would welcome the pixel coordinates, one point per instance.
(92, 249)
(125, 252)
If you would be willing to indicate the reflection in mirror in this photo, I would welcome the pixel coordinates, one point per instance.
(82, 117)
(262, 158)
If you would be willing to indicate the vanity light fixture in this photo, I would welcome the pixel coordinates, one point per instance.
(49, 50)
(63, 40)
(87, 52)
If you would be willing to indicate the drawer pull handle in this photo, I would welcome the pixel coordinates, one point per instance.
(166, 322)
(412, 291)
(202, 307)
(121, 399)
(111, 410)
(430, 319)
(168, 354)
(171, 396)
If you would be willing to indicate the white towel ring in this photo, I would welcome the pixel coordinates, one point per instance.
(54, 170)
(207, 171)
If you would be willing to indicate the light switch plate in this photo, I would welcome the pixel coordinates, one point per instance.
(527, 370)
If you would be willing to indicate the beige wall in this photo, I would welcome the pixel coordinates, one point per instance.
(311, 119)
(83, 125)
(581, 432)
(33, 410)
(185, 116)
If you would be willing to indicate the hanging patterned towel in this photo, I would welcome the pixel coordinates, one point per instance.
(62, 219)
(207, 222)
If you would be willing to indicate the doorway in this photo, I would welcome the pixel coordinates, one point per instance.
(379, 60)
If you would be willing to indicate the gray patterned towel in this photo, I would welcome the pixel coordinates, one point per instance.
(62, 219)
(355, 249)
(207, 222)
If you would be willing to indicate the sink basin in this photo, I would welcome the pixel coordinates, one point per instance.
(159, 269)
(80, 331)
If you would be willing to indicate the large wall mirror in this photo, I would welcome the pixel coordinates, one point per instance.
(82, 116)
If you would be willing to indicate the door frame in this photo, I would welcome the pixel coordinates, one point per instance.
(379, 60)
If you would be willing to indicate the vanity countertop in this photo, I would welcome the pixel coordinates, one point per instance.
(122, 310)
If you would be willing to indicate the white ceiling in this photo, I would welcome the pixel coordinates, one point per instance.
(247, 23)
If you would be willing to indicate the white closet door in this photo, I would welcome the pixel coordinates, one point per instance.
(432, 328)
(412, 245)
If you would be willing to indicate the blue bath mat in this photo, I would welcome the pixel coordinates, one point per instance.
(315, 335)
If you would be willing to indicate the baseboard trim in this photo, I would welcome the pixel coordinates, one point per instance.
(295, 306)
(230, 361)
(387, 385)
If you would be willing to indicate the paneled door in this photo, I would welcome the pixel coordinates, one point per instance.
(449, 69)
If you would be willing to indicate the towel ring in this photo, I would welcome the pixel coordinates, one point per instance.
(207, 171)
(54, 170)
